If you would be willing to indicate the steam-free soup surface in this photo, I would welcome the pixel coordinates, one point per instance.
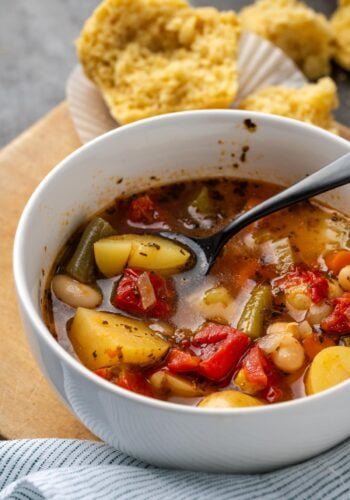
(270, 323)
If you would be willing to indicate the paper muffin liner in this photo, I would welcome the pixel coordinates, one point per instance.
(260, 64)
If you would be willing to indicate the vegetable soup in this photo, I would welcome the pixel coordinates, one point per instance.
(270, 323)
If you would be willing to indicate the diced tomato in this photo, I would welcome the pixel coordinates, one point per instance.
(143, 210)
(339, 319)
(213, 353)
(211, 333)
(219, 348)
(127, 297)
(319, 289)
(260, 371)
(181, 361)
(314, 343)
(103, 373)
(254, 366)
(317, 285)
(134, 382)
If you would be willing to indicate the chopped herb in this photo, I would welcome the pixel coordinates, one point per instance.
(243, 156)
(153, 245)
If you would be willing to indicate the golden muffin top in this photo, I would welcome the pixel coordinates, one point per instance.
(150, 57)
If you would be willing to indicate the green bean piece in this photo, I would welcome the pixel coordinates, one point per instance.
(82, 264)
(283, 254)
(203, 202)
(255, 311)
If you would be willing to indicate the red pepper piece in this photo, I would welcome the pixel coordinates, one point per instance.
(272, 394)
(319, 289)
(317, 285)
(219, 348)
(254, 364)
(180, 361)
(339, 319)
(143, 210)
(134, 382)
(103, 373)
(127, 297)
(260, 370)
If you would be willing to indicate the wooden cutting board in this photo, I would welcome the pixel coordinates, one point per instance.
(28, 406)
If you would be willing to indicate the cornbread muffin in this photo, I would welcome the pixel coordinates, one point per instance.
(299, 31)
(312, 103)
(340, 24)
(150, 57)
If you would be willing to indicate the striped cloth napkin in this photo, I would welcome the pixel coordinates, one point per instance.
(84, 470)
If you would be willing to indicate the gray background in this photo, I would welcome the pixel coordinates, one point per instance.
(37, 54)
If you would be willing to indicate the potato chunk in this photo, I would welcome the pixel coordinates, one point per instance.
(111, 256)
(168, 383)
(145, 251)
(103, 339)
(229, 399)
(329, 367)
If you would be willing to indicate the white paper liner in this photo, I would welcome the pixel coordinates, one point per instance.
(260, 64)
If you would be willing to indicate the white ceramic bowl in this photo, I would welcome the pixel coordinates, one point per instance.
(173, 147)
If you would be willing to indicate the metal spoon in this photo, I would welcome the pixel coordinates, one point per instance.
(207, 249)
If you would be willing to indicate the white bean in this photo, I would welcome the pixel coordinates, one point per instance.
(283, 327)
(74, 293)
(344, 278)
(290, 356)
(318, 312)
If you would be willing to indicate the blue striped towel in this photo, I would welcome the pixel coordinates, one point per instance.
(83, 470)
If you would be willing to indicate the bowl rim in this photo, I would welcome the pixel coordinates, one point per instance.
(38, 325)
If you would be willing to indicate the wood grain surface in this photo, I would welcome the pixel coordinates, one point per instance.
(28, 406)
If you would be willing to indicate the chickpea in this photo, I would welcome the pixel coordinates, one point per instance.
(298, 298)
(74, 293)
(289, 356)
(344, 278)
(283, 327)
(318, 312)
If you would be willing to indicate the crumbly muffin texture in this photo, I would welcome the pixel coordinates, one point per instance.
(298, 30)
(340, 24)
(312, 103)
(150, 57)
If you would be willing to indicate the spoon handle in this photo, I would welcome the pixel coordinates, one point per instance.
(333, 175)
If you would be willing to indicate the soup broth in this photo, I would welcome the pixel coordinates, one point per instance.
(259, 329)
